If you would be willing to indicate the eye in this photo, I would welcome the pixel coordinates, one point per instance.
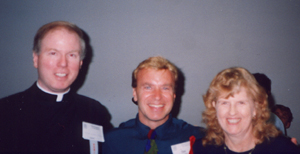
(223, 102)
(166, 88)
(241, 102)
(147, 87)
(73, 55)
(52, 53)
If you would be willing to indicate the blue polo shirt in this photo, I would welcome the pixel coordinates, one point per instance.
(131, 136)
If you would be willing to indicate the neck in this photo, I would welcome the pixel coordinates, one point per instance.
(152, 124)
(240, 144)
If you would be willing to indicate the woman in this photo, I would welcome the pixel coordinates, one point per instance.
(236, 117)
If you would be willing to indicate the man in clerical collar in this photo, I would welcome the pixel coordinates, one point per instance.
(47, 117)
(154, 130)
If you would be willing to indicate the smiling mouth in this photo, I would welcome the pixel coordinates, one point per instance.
(233, 121)
(156, 105)
(61, 74)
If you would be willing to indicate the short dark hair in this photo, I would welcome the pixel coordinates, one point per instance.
(285, 110)
(264, 81)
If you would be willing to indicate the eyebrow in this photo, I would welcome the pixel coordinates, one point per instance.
(49, 49)
(170, 85)
(147, 83)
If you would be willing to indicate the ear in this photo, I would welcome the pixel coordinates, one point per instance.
(213, 104)
(81, 62)
(254, 113)
(35, 59)
(134, 94)
(255, 107)
(288, 125)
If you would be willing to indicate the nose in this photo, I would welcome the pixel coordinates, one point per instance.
(157, 94)
(232, 110)
(63, 62)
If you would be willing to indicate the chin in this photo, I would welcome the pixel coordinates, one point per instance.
(161, 118)
(61, 89)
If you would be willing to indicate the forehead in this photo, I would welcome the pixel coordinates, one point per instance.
(278, 110)
(242, 93)
(60, 31)
(61, 36)
(148, 74)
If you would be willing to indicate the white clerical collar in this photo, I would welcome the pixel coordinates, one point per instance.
(59, 97)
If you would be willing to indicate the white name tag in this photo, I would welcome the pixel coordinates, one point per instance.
(181, 148)
(92, 132)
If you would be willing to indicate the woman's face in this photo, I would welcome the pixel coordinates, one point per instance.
(235, 114)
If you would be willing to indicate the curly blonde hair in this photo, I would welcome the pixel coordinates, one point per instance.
(227, 83)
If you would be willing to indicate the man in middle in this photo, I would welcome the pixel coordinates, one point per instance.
(154, 130)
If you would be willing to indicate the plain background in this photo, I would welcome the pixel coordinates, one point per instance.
(202, 37)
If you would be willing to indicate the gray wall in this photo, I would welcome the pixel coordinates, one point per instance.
(201, 37)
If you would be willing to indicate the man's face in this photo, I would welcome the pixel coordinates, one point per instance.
(283, 117)
(155, 96)
(58, 62)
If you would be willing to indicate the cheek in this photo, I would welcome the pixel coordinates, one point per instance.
(220, 116)
(168, 98)
(169, 95)
(247, 112)
(145, 94)
(46, 62)
(221, 111)
(74, 66)
(44, 65)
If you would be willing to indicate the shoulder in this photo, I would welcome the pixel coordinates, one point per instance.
(10, 97)
(123, 137)
(127, 124)
(276, 121)
(184, 127)
(11, 101)
(10, 107)
(89, 103)
(85, 99)
(280, 141)
(13, 97)
(123, 129)
(198, 148)
(92, 110)
(280, 144)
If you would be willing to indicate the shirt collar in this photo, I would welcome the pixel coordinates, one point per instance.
(160, 130)
(59, 97)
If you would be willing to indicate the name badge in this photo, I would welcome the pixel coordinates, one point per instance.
(181, 148)
(92, 132)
